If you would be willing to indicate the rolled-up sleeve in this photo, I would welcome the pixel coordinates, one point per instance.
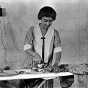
(28, 39)
(57, 43)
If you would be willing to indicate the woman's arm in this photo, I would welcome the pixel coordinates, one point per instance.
(28, 45)
(57, 48)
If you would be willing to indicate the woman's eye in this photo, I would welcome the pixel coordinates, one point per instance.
(45, 20)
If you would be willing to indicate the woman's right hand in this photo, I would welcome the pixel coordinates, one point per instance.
(36, 59)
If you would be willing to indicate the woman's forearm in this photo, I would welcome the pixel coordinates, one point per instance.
(57, 58)
(30, 52)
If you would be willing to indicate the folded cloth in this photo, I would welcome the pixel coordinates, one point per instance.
(79, 69)
(61, 68)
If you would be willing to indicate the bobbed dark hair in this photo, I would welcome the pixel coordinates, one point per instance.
(47, 11)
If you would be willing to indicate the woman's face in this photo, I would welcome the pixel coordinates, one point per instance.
(46, 22)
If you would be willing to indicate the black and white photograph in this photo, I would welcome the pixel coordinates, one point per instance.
(43, 44)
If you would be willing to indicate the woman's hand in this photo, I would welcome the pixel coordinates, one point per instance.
(36, 60)
(37, 57)
(49, 68)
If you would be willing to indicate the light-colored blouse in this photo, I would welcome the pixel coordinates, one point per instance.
(52, 42)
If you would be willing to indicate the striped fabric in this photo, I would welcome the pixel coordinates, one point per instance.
(48, 84)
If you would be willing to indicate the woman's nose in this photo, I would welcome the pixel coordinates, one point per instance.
(47, 23)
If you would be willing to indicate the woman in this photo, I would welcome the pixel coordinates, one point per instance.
(42, 41)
